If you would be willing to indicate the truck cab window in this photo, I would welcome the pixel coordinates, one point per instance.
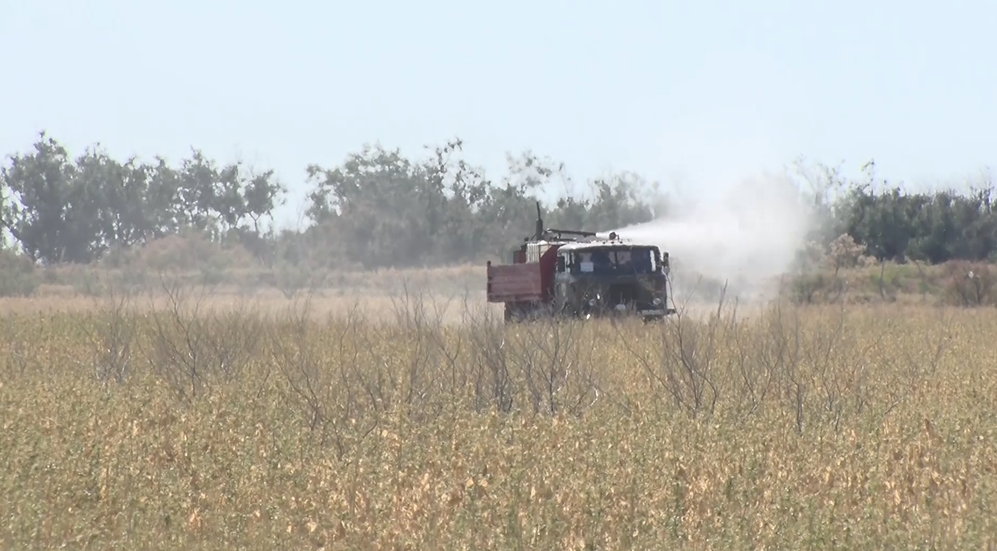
(614, 260)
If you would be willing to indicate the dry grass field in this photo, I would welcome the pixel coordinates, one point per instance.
(342, 423)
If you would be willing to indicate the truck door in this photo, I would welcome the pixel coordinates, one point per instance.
(561, 277)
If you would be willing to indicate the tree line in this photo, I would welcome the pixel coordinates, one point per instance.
(894, 224)
(378, 208)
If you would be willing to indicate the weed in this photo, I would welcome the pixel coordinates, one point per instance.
(779, 427)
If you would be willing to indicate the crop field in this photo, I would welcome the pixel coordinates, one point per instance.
(189, 424)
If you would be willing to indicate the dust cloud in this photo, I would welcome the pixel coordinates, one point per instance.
(744, 232)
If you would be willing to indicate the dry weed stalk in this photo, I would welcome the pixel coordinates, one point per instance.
(794, 426)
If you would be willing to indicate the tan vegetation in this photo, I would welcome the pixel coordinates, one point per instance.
(175, 423)
(841, 272)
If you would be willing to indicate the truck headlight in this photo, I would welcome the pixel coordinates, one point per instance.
(656, 301)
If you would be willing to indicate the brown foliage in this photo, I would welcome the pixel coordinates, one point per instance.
(783, 427)
(188, 252)
(970, 283)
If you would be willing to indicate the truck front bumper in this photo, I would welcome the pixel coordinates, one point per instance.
(656, 312)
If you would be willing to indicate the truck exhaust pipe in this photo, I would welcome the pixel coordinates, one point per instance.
(540, 224)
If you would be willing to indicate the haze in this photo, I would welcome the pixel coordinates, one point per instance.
(701, 94)
(742, 233)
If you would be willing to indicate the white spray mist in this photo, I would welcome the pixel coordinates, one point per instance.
(744, 232)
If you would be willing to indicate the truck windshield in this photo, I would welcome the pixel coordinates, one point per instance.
(615, 260)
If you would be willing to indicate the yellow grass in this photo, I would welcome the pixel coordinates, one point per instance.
(792, 428)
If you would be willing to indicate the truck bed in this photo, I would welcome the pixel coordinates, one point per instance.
(515, 282)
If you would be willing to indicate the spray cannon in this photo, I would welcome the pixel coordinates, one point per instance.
(541, 233)
(555, 234)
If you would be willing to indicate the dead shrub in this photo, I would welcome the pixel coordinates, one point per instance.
(969, 284)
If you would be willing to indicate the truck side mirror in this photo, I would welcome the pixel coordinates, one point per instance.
(560, 263)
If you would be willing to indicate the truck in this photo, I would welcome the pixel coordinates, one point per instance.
(581, 274)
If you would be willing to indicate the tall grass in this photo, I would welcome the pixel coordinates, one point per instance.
(789, 427)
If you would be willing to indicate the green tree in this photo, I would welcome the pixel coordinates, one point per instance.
(62, 210)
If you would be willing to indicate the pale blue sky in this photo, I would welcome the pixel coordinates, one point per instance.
(700, 89)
